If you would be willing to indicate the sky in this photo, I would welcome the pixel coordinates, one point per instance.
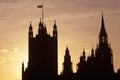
(78, 22)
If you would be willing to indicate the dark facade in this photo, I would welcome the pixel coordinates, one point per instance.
(97, 66)
(43, 58)
(42, 62)
(67, 66)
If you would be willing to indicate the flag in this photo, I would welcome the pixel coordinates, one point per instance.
(40, 6)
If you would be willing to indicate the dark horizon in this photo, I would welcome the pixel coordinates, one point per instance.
(43, 58)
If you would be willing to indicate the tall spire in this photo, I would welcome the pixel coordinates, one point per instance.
(23, 66)
(30, 27)
(40, 23)
(102, 22)
(55, 29)
(67, 65)
(67, 52)
(55, 26)
(103, 34)
(84, 56)
(92, 52)
(30, 30)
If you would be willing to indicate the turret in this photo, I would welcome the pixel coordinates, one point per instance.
(67, 65)
(67, 55)
(92, 53)
(30, 30)
(84, 56)
(42, 29)
(81, 66)
(55, 29)
(40, 24)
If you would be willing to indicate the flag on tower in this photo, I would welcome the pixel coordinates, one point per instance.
(40, 6)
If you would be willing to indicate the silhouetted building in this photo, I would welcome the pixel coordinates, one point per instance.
(103, 55)
(99, 65)
(67, 67)
(43, 58)
(82, 66)
(43, 55)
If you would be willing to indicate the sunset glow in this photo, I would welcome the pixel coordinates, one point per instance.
(78, 24)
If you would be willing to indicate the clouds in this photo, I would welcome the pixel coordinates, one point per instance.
(7, 55)
(9, 63)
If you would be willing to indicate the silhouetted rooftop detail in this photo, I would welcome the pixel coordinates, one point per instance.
(30, 27)
(43, 58)
(55, 26)
(103, 34)
(40, 23)
(92, 52)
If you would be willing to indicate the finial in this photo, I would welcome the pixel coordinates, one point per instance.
(40, 23)
(67, 50)
(92, 50)
(83, 51)
(92, 47)
(66, 47)
(54, 21)
(55, 26)
(102, 24)
(40, 19)
(22, 63)
(30, 27)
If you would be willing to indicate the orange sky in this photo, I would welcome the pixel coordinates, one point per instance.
(78, 24)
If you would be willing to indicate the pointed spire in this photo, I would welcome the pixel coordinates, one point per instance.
(92, 52)
(83, 51)
(103, 34)
(67, 56)
(102, 22)
(67, 65)
(30, 30)
(40, 23)
(55, 26)
(67, 51)
(30, 27)
(55, 29)
(103, 30)
(84, 56)
(22, 66)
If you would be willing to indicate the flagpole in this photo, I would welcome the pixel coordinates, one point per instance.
(42, 6)
(42, 14)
